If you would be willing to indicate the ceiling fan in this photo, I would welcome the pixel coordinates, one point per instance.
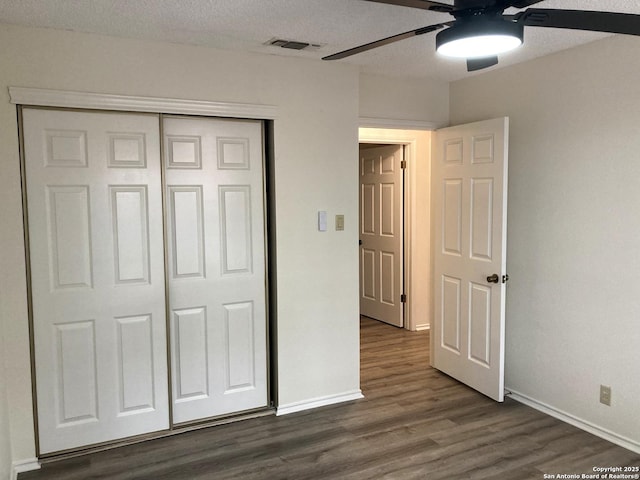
(481, 30)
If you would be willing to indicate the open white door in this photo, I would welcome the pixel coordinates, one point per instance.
(381, 233)
(469, 195)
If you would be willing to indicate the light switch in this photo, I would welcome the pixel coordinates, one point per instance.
(322, 221)
(339, 223)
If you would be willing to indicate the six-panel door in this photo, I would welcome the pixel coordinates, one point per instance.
(469, 182)
(215, 220)
(97, 275)
(381, 233)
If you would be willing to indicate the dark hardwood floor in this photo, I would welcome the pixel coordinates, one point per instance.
(414, 423)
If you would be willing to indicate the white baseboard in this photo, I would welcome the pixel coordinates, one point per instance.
(25, 465)
(424, 326)
(318, 402)
(596, 430)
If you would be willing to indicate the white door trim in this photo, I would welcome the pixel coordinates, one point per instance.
(410, 140)
(374, 122)
(102, 101)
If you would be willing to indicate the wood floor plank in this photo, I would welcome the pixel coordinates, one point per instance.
(414, 423)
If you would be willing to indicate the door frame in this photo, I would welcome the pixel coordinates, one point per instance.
(416, 221)
(83, 101)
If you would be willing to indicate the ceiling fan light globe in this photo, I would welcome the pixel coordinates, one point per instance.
(479, 37)
(479, 46)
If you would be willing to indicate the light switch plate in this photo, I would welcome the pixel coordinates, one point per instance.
(322, 221)
(339, 223)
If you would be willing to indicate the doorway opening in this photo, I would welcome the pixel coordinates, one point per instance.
(464, 293)
(408, 284)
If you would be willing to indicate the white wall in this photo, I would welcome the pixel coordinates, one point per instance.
(392, 98)
(573, 301)
(315, 146)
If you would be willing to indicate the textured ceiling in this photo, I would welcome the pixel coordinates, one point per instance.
(336, 24)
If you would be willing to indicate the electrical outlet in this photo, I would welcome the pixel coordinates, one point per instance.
(605, 395)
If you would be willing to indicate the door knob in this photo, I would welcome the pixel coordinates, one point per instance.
(493, 278)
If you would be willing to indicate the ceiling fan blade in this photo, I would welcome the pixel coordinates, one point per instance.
(423, 4)
(609, 22)
(474, 64)
(386, 41)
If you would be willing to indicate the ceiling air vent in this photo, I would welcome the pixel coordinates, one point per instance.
(293, 44)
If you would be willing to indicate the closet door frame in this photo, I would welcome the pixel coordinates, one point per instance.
(90, 102)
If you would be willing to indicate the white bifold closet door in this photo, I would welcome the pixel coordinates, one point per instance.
(215, 223)
(97, 275)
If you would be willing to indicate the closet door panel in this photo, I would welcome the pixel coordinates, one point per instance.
(214, 177)
(97, 275)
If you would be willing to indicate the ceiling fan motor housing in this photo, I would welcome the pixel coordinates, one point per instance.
(477, 30)
(470, 4)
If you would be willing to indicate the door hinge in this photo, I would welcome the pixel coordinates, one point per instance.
(403, 298)
(403, 164)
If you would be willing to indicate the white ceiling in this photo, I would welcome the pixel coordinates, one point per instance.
(337, 24)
